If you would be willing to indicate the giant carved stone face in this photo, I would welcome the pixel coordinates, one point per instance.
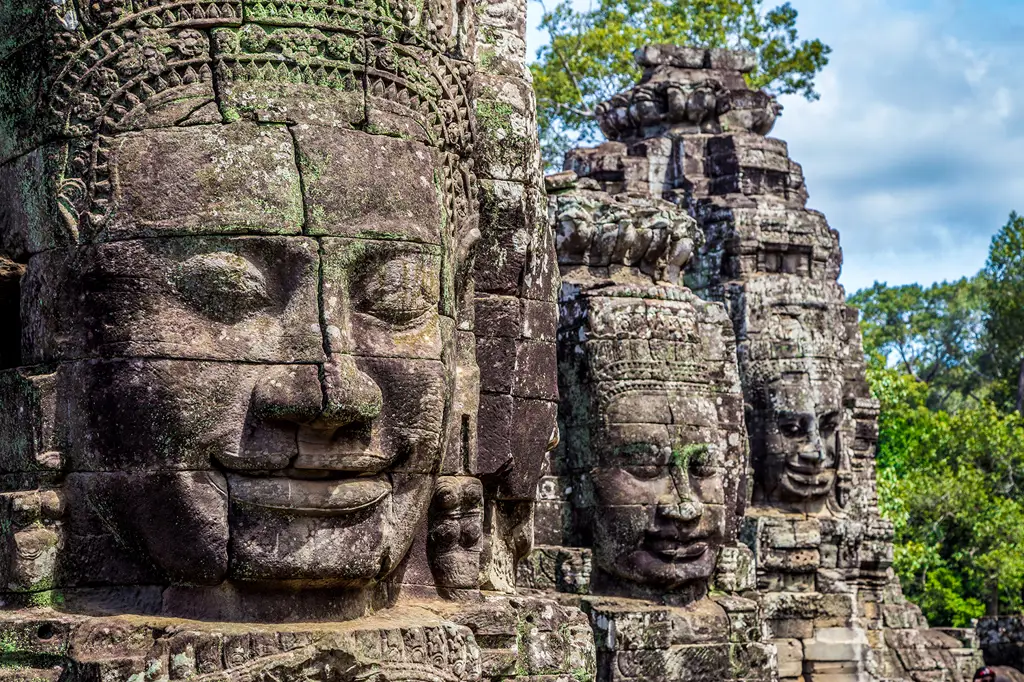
(246, 237)
(666, 437)
(258, 408)
(797, 434)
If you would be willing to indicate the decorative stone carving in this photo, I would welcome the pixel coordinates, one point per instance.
(791, 362)
(500, 639)
(688, 90)
(690, 139)
(645, 490)
(258, 369)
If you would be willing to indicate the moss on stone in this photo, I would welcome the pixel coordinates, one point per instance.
(494, 115)
(683, 456)
(47, 597)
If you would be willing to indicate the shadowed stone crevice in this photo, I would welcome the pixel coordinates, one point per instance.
(10, 311)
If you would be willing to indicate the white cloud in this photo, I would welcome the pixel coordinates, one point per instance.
(913, 151)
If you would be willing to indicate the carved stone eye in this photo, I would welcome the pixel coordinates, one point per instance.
(398, 291)
(828, 422)
(791, 428)
(222, 285)
(647, 473)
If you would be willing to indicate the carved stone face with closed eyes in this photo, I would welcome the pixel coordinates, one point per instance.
(268, 408)
(666, 436)
(795, 440)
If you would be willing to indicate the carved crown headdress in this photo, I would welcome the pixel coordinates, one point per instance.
(111, 59)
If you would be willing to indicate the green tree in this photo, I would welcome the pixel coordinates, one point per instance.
(947, 365)
(1004, 324)
(934, 334)
(589, 56)
(953, 486)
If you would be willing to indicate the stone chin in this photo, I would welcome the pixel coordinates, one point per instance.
(326, 545)
(664, 558)
(338, 528)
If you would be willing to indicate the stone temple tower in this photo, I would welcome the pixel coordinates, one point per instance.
(692, 135)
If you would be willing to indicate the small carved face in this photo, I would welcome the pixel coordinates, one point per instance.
(664, 437)
(456, 532)
(259, 408)
(800, 440)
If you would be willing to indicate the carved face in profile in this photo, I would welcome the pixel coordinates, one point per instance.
(668, 448)
(799, 437)
(258, 408)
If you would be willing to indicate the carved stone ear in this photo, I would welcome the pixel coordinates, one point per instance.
(844, 470)
(31, 527)
(32, 537)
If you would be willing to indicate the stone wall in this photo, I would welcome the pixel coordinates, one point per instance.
(1001, 639)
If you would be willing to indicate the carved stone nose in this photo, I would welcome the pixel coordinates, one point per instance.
(289, 394)
(812, 455)
(350, 395)
(684, 510)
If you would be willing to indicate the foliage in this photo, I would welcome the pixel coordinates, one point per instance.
(953, 486)
(1003, 278)
(933, 334)
(589, 56)
(945, 363)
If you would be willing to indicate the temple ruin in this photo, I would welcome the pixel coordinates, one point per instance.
(811, 550)
(307, 373)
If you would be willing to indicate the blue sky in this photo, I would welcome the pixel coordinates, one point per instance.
(915, 151)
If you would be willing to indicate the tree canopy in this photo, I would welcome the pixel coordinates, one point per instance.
(951, 483)
(945, 364)
(934, 334)
(589, 56)
(1003, 287)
